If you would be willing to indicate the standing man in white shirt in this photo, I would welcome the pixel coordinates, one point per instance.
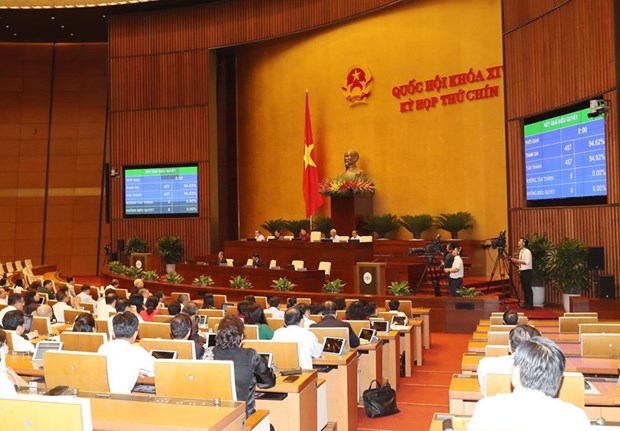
(308, 346)
(455, 272)
(525, 273)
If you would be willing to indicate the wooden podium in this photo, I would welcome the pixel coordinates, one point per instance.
(144, 261)
(348, 212)
(370, 278)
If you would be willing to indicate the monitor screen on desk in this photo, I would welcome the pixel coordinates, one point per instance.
(44, 346)
(380, 325)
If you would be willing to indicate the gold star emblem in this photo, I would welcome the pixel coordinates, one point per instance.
(307, 157)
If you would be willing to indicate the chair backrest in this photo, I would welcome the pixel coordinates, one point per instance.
(315, 236)
(272, 263)
(348, 302)
(70, 314)
(498, 338)
(262, 301)
(572, 389)
(341, 314)
(325, 266)
(195, 379)
(316, 317)
(343, 238)
(250, 332)
(154, 330)
(275, 322)
(162, 318)
(604, 345)
(9, 267)
(184, 348)
(230, 262)
(103, 326)
(82, 370)
(18, 265)
(211, 312)
(232, 310)
(366, 238)
(94, 292)
(88, 306)
(385, 315)
(495, 350)
(10, 335)
(321, 333)
(297, 264)
(599, 328)
(571, 324)
(284, 353)
(307, 301)
(249, 262)
(581, 314)
(356, 325)
(405, 306)
(1, 269)
(498, 384)
(82, 341)
(42, 325)
(175, 296)
(34, 413)
(218, 300)
(501, 328)
(122, 293)
(28, 263)
(214, 322)
(499, 320)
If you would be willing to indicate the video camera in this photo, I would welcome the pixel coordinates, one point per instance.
(498, 242)
(435, 247)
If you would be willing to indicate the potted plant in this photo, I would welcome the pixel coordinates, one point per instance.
(399, 288)
(334, 286)
(467, 292)
(149, 275)
(170, 248)
(136, 244)
(568, 269)
(295, 226)
(416, 224)
(540, 246)
(117, 268)
(323, 225)
(204, 280)
(283, 284)
(381, 224)
(240, 282)
(272, 225)
(454, 222)
(133, 272)
(174, 277)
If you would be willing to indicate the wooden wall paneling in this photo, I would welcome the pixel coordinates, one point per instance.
(519, 12)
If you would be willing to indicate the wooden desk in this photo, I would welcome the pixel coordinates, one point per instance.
(261, 278)
(341, 382)
(459, 422)
(298, 411)
(425, 315)
(370, 365)
(391, 356)
(558, 337)
(568, 348)
(343, 256)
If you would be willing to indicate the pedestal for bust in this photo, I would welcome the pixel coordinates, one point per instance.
(348, 212)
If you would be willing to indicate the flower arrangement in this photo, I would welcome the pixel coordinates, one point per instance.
(203, 280)
(342, 185)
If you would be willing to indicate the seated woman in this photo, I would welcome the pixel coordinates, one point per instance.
(208, 301)
(255, 316)
(152, 309)
(85, 322)
(250, 369)
(8, 377)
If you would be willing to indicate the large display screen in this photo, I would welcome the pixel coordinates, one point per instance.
(161, 191)
(565, 158)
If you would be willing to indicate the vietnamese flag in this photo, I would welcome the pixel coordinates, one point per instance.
(313, 198)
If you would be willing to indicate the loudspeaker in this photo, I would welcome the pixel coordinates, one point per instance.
(596, 258)
(607, 287)
(120, 245)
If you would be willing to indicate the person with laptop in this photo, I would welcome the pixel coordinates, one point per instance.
(308, 345)
(328, 311)
(125, 361)
(250, 369)
(503, 364)
(15, 320)
(536, 377)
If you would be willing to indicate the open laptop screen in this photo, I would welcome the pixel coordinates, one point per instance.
(44, 346)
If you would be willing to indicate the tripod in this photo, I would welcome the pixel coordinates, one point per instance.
(433, 270)
(508, 287)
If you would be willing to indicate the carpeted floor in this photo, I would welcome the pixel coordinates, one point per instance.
(426, 391)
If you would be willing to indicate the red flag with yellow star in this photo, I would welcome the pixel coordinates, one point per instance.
(313, 198)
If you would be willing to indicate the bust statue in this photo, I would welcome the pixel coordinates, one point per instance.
(350, 164)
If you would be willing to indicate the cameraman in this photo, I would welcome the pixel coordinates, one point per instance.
(455, 272)
(525, 272)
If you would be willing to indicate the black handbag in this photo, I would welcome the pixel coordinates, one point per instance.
(380, 401)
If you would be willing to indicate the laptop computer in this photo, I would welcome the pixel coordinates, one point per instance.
(164, 354)
(380, 325)
(42, 347)
(210, 339)
(398, 321)
(326, 240)
(366, 335)
(334, 346)
(267, 357)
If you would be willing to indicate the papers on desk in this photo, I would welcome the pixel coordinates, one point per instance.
(590, 389)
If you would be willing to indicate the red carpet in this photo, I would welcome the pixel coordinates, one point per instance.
(538, 312)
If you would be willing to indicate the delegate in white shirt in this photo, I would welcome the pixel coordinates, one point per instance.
(125, 362)
(308, 346)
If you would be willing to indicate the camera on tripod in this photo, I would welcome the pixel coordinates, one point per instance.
(435, 247)
(498, 242)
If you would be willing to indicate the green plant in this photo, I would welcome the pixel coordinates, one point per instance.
(240, 282)
(416, 224)
(381, 224)
(568, 266)
(272, 225)
(170, 248)
(203, 280)
(149, 275)
(174, 277)
(454, 222)
(323, 225)
(136, 244)
(467, 292)
(399, 288)
(117, 268)
(295, 226)
(334, 286)
(541, 247)
(283, 284)
(133, 272)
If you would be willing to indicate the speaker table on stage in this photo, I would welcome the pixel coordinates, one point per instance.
(370, 278)
(145, 261)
